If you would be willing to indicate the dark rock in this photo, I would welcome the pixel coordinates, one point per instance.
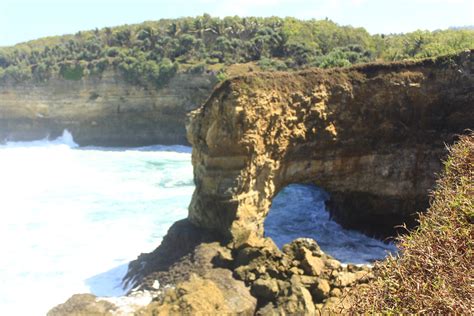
(265, 288)
(321, 290)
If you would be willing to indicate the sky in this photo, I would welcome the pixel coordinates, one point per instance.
(23, 20)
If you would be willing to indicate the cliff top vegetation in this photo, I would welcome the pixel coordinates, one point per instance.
(152, 52)
(433, 274)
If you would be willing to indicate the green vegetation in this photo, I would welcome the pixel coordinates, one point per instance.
(150, 53)
(434, 273)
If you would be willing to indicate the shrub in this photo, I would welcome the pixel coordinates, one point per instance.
(71, 71)
(434, 273)
(197, 69)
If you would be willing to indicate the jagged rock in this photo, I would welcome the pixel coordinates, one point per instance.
(83, 305)
(311, 265)
(295, 270)
(333, 264)
(265, 288)
(361, 133)
(345, 279)
(204, 296)
(321, 290)
(299, 301)
(308, 281)
(295, 249)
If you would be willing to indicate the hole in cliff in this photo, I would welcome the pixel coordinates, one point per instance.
(299, 211)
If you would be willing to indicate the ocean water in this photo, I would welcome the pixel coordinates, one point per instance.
(72, 218)
(299, 211)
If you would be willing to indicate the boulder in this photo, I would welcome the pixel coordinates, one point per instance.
(83, 305)
(310, 264)
(212, 295)
(321, 291)
(265, 288)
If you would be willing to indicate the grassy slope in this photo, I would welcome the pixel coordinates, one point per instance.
(434, 273)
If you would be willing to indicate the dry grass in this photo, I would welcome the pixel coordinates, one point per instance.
(435, 271)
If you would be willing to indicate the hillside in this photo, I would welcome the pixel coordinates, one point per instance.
(150, 53)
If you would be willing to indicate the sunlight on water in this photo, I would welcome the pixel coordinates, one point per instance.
(71, 214)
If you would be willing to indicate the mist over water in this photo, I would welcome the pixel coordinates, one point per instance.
(72, 218)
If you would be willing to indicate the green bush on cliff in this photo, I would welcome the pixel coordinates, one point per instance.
(72, 71)
(434, 272)
(148, 72)
(140, 51)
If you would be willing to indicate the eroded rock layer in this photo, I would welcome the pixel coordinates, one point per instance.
(104, 110)
(372, 136)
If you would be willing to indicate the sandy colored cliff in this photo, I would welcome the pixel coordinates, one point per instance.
(105, 110)
(372, 136)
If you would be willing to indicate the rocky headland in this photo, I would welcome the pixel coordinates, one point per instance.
(372, 135)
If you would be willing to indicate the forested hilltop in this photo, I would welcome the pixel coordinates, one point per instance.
(152, 52)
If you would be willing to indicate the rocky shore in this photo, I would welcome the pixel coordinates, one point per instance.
(371, 135)
(209, 277)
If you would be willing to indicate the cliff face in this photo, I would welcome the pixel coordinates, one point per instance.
(372, 136)
(102, 111)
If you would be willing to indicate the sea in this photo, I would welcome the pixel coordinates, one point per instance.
(73, 217)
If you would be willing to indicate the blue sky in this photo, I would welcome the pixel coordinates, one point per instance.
(22, 20)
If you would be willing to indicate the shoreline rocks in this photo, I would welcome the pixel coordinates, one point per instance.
(371, 135)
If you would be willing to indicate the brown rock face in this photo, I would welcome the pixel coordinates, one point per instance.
(372, 136)
(104, 111)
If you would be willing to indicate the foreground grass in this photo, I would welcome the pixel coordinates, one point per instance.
(435, 271)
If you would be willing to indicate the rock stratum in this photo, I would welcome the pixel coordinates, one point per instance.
(102, 111)
(372, 136)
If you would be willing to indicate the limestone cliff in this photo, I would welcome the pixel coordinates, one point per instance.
(104, 110)
(371, 135)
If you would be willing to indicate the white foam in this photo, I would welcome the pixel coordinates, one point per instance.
(299, 211)
(72, 219)
(65, 139)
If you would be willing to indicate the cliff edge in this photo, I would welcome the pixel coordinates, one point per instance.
(372, 136)
(105, 110)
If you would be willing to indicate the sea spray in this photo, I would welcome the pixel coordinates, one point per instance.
(73, 217)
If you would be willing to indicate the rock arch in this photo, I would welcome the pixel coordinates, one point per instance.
(371, 135)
